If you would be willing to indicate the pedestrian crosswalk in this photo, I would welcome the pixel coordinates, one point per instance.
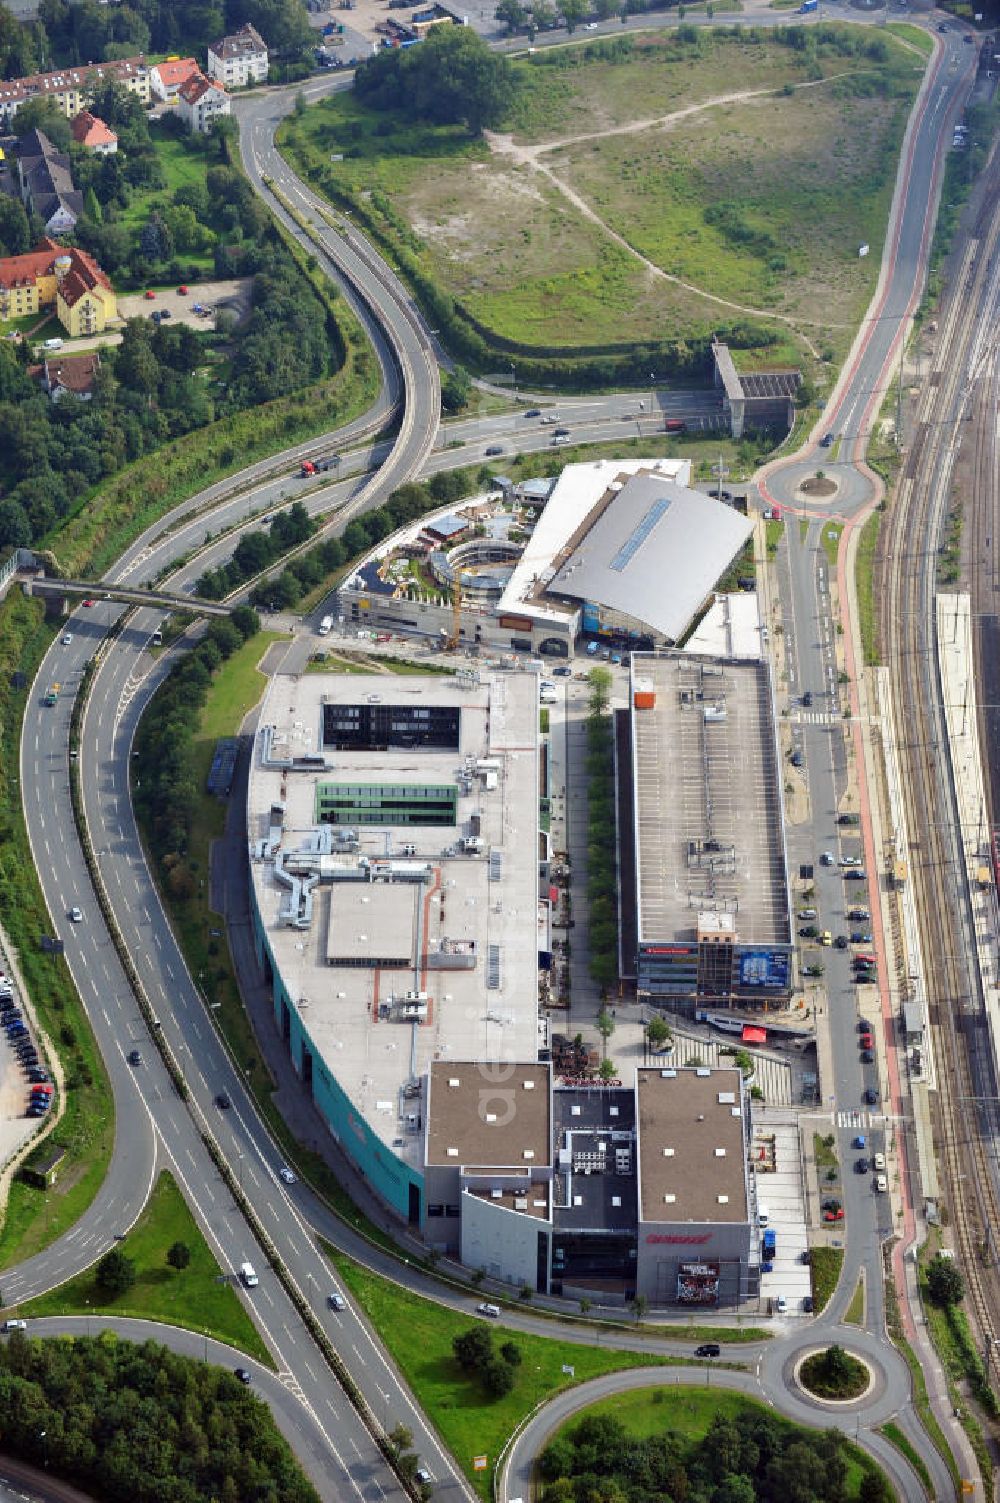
(824, 717)
(859, 1121)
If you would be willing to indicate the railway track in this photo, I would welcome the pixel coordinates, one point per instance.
(967, 1126)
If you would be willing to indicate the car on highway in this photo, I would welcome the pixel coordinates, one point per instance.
(826, 441)
(492, 1312)
(67, 638)
(560, 438)
(423, 1476)
(493, 449)
(15, 1325)
(533, 412)
(88, 603)
(861, 1166)
(243, 1373)
(549, 417)
(223, 1102)
(708, 1349)
(134, 1057)
(336, 1300)
(562, 433)
(76, 915)
(286, 1174)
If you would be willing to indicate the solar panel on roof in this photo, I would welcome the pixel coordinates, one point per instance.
(634, 542)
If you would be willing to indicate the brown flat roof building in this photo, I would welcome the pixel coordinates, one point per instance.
(692, 1148)
(492, 1115)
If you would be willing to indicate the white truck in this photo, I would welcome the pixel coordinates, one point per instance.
(326, 626)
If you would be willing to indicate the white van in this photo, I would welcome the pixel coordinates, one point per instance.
(248, 1275)
(762, 1213)
(326, 626)
(53, 344)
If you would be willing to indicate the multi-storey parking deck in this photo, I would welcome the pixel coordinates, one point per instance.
(711, 878)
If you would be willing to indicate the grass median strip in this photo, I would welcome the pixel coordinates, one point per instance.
(419, 1333)
(198, 1297)
(895, 1437)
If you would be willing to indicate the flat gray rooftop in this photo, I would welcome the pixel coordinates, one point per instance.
(692, 1155)
(654, 551)
(469, 932)
(708, 800)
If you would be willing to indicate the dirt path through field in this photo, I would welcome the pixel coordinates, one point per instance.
(530, 156)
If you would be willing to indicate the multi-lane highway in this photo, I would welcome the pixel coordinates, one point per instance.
(154, 1127)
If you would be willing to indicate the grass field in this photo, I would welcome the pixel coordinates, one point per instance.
(826, 1265)
(689, 1412)
(590, 176)
(894, 1434)
(418, 1334)
(854, 1315)
(199, 1297)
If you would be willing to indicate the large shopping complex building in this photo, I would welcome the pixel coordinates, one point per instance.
(403, 915)
(405, 893)
(619, 552)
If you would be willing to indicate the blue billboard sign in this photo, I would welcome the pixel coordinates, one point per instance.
(765, 969)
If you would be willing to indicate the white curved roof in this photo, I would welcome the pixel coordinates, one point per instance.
(654, 553)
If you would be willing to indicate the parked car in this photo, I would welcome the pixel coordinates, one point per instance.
(841, 942)
(808, 931)
(856, 874)
(868, 1056)
(870, 1096)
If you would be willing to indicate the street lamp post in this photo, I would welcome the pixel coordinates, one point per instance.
(513, 379)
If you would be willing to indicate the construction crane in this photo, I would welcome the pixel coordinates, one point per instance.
(455, 635)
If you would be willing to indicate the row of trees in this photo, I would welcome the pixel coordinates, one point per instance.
(140, 1424)
(72, 33)
(257, 550)
(168, 791)
(753, 1457)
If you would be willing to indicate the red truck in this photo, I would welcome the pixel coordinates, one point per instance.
(318, 466)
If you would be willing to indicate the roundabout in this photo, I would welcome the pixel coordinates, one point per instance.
(834, 1377)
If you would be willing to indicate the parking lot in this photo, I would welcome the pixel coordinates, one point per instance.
(232, 294)
(776, 1155)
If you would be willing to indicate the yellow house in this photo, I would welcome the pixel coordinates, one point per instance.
(66, 278)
